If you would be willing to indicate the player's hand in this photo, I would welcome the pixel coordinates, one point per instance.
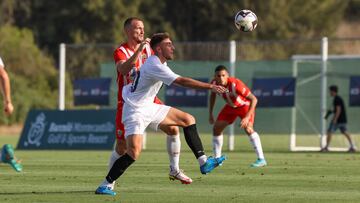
(211, 119)
(218, 89)
(8, 108)
(245, 122)
(143, 43)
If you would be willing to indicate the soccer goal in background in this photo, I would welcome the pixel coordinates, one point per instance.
(314, 74)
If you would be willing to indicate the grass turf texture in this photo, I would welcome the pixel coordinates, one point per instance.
(73, 176)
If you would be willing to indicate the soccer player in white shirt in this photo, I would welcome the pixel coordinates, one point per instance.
(129, 57)
(140, 111)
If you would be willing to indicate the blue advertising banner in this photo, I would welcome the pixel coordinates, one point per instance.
(354, 95)
(274, 92)
(92, 91)
(185, 97)
(78, 129)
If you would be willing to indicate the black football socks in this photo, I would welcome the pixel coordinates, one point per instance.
(119, 167)
(193, 140)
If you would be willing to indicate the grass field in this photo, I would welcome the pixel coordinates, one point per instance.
(72, 176)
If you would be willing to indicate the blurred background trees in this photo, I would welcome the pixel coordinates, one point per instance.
(31, 31)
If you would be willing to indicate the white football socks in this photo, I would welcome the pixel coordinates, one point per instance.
(173, 144)
(107, 184)
(218, 141)
(255, 141)
(202, 160)
(114, 156)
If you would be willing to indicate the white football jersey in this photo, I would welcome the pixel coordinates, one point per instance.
(148, 82)
(1, 63)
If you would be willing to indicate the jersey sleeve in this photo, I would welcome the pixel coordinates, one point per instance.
(163, 73)
(119, 56)
(337, 101)
(241, 88)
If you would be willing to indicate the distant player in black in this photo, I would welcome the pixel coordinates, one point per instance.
(338, 121)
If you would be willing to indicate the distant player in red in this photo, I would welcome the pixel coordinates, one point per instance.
(128, 58)
(240, 102)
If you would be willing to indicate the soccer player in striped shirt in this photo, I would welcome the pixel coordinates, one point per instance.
(240, 102)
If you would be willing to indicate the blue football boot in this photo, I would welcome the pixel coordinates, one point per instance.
(211, 164)
(258, 163)
(104, 190)
(7, 156)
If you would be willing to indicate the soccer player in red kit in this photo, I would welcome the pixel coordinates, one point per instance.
(240, 102)
(128, 58)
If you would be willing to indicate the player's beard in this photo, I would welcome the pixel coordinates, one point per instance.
(139, 39)
(169, 57)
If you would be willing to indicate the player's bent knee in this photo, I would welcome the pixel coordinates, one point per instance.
(216, 130)
(189, 119)
(249, 130)
(173, 130)
(219, 127)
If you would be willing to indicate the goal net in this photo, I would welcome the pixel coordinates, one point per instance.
(315, 73)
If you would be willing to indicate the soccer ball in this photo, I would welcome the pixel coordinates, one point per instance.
(246, 20)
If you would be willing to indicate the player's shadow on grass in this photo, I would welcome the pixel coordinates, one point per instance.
(49, 192)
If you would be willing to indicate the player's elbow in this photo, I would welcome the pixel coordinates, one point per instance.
(121, 69)
(180, 81)
(255, 100)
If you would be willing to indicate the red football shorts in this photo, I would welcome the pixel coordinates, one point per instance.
(229, 114)
(120, 129)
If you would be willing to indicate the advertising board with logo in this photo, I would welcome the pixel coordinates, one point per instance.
(274, 92)
(76, 129)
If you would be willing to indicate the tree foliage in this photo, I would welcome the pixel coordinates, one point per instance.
(34, 79)
(90, 21)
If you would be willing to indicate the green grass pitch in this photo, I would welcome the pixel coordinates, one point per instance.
(73, 176)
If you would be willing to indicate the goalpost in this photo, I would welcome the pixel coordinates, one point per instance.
(323, 61)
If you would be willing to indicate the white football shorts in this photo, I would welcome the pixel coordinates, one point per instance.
(137, 119)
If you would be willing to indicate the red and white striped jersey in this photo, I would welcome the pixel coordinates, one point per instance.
(123, 53)
(238, 91)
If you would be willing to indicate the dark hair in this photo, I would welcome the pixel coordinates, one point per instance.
(157, 38)
(333, 88)
(128, 21)
(220, 68)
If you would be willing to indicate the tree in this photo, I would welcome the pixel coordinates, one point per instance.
(32, 73)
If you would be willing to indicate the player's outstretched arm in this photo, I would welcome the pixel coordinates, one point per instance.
(195, 84)
(212, 100)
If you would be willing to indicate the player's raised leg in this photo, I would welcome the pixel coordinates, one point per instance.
(187, 122)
